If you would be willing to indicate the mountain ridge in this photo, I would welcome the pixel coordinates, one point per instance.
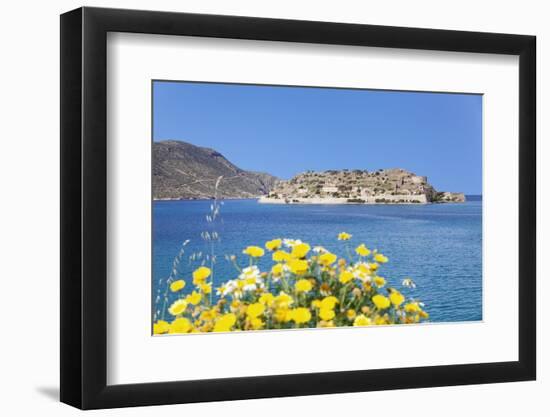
(182, 170)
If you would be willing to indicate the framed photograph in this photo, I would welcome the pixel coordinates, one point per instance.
(259, 208)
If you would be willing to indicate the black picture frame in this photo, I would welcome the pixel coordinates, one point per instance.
(84, 207)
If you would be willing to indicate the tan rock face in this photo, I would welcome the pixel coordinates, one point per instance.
(446, 197)
(182, 170)
(385, 186)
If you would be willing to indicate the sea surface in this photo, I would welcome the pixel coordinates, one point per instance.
(437, 245)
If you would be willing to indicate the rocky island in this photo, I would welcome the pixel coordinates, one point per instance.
(385, 186)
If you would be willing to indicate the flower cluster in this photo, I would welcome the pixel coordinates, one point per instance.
(305, 288)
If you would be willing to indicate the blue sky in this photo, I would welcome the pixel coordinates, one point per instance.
(288, 130)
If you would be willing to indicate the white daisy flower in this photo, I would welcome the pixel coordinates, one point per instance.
(250, 287)
(290, 243)
(226, 288)
(319, 249)
(250, 272)
(409, 283)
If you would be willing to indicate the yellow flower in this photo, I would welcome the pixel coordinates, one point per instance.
(201, 274)
(326, 314)
(362, 320)
(281, 256)
(283, 300)
(256, 323)
(267, 299)
(274, 244)
(327, 259)
(303, 285)
(396, 298)
(301, 315)
(344, 236)
(298, 266)
(345, 277)
(206, 288)
(277, 269)
(328, 303)
(177, 285)
(381, 320)
(249, 281)
(225, 323)
(412, 308)
(362, 250)
(380, 258)
(381, 301)
(208, 315)
(379, 281)
(194, 298)
(283, 315)
(178, 307)
(255, 310)
(181, 325)
(161, 327)
(254, 251)
(300, 250)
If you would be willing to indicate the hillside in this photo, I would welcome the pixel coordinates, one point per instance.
(384, 186)
(185, 171)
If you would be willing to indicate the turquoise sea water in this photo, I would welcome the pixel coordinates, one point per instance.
(438, 245)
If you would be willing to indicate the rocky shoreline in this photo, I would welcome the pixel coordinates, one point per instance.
(267, 200)
(206, 198)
